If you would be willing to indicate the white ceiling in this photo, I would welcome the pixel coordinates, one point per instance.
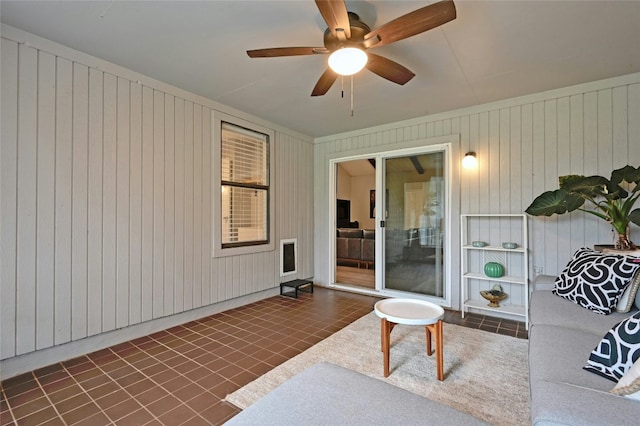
(358, 167)
(493, 50)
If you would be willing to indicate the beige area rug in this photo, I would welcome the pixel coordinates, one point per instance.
(486, 374)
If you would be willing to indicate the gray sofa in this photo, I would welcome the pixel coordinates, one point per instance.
(326, 394)
(561, 338)
(356, 247)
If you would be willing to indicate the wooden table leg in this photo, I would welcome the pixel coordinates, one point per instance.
(436, 329)
(429, 350)
(386, 327)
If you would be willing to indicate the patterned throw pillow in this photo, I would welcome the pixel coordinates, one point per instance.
(596, 280)
(617, 351)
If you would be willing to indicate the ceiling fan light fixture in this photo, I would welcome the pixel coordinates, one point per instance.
(348, 60)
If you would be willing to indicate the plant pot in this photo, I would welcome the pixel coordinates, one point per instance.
(602, 247)
(611, 249)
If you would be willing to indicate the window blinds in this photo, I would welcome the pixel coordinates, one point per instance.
(245, 185)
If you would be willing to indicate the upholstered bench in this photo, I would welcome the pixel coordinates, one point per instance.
(326, 394)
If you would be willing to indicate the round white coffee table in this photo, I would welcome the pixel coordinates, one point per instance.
(411, 312)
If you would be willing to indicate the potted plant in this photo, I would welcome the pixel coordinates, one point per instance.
(612, 200)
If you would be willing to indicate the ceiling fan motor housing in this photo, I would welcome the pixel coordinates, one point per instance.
(358, 30)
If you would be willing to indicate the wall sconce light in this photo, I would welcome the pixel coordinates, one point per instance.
(470, 161)
(348, 60)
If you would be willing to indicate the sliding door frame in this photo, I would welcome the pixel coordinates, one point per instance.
(333, 196)
(424, 146)
(445, 148)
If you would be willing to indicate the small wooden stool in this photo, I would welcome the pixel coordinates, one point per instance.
(411, 312)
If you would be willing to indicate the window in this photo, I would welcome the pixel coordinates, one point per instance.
(242, 213)
(245, 186)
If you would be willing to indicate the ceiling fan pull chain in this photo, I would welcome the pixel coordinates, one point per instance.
(352, 95)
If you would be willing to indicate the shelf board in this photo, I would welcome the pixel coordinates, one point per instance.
(505, 279)
(493, 248)
(497, 215)
(507, 309)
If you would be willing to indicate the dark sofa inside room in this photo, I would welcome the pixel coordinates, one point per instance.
(356, 247)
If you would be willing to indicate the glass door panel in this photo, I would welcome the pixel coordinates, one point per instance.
(414, 223)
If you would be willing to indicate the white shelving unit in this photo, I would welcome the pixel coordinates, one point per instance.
(494, 229)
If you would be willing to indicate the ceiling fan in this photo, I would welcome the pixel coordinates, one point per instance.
(346, 31)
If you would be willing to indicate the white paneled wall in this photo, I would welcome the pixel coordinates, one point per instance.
(522, 146)
(106, 215)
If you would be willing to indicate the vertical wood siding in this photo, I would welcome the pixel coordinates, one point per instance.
(106, 202)
(522, 146)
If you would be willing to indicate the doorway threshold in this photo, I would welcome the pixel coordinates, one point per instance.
(355, 289)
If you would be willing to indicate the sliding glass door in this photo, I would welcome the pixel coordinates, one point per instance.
(414, 222)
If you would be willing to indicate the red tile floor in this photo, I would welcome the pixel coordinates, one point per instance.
(181, 375)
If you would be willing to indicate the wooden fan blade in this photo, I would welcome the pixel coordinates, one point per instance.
(325, 82)
(415, 22)
(285, 51)
(386, 68)
(334, 13)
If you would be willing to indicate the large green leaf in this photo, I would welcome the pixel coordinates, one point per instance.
(554, 202)
(563, 180)
(591, 187)
(615, 192)
(612, 199)
(574, 202)
(627, 174)
(634, 216)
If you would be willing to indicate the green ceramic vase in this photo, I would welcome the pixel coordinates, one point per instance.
(493, 269)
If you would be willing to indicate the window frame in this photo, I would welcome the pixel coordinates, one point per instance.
(217, 118)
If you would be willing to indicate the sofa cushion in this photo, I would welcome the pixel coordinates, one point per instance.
(368, 250)
(554, 403)
(342, 248)
(369, 234)
(617, 351)
(557, 354)
(595, 280)
(546, 308)
(349, 233)
(354, 248)
(629, 384)
(544, 282)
